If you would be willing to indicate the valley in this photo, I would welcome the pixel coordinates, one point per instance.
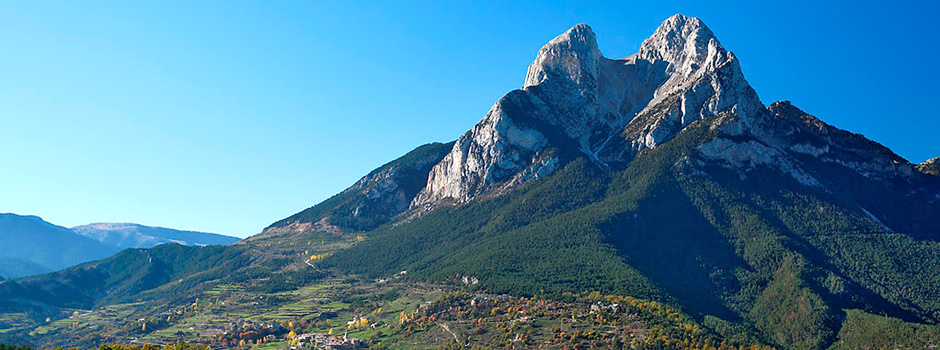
(392, 312)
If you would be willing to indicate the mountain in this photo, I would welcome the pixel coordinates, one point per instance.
(662, 175)
(29, 245)
(659, 178)
(124, 235)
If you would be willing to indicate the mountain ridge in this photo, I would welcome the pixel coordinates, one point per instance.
(131, 235)
(43, 246)
(32, 246)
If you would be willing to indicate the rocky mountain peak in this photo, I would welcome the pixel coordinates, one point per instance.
(576, 100)
(687, 51)
(572, 56)
(682, 41)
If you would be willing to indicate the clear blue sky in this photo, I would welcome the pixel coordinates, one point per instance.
(226, 116)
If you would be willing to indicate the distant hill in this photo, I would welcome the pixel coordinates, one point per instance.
(130, 273)
(29, 245)
(126, 235)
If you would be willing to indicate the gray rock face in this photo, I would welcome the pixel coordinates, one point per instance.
(574, 98)
(495, 151)
(698, 78)
(793, 142)
(384, 192)
(744, 156)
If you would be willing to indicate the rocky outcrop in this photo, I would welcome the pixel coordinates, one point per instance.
(788, 139)
(930, 166)
(744, 156)
(493, 152)
(806, 136)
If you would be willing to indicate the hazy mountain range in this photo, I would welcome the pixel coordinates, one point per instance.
(660, 176)
(126, 235)
(30, 245)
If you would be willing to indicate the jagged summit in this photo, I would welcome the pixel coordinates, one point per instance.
(576, 103)
(681, 39)
(690, 52)
(575, 99)
(572, 55)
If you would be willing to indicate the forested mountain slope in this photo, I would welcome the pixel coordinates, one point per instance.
(766, 251)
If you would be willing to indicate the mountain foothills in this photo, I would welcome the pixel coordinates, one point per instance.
(31, 246)
(648, 202)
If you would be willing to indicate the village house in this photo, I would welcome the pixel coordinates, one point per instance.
(327, 342)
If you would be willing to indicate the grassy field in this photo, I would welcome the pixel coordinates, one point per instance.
(13, 321)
